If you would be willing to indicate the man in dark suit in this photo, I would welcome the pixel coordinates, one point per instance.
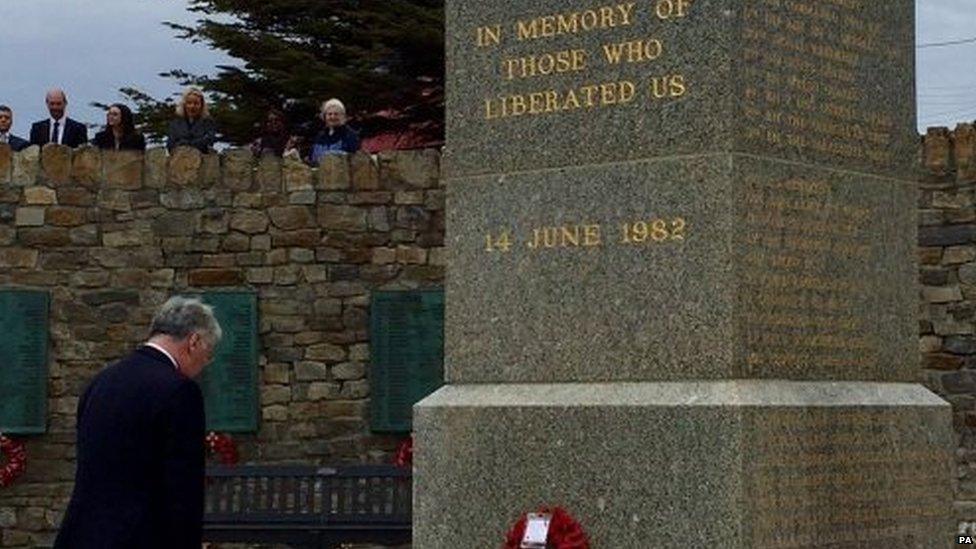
(6, 121)
(140, 470)
(59, 128)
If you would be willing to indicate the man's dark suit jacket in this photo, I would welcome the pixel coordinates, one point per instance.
(140, 471)
(17, 143)
(74, 134)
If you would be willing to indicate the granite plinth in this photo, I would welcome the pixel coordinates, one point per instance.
(697, 267)
(551, 83)
(677, 465)
(681, 289)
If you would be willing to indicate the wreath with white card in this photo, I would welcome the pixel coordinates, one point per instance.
(550, 528)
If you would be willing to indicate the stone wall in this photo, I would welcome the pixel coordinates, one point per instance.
(112, 235)
(947, 315)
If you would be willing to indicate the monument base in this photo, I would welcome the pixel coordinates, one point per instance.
(710, 464)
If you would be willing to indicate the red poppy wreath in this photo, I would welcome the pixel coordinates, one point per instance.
(15, 455)
(564, 531)
(404, 453)
(223, 447)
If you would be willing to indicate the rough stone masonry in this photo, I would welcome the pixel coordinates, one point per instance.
(31, 509)
(112, 235)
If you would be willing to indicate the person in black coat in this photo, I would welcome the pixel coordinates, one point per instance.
(6, 122)
(59, 128)
(140, 459)
(120, 131)
(274, 138)
(192, 126)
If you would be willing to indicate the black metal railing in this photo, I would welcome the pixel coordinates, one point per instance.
(307, 506)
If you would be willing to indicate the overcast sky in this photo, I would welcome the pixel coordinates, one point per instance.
(92, 48)
(946, 75)
(95, 47)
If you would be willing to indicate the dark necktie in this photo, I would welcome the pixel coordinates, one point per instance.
(54, 133)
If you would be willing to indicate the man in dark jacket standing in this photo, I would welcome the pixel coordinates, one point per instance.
(140, 470)
(59, 128)
(6, 121)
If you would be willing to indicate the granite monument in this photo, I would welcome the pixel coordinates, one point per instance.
(681, 297)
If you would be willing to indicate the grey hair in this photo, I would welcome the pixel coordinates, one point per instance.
(334, 104)
(181, 316)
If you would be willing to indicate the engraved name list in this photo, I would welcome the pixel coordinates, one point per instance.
(807, 71)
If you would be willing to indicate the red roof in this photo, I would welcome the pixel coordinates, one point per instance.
(398, 141)
(394, 135)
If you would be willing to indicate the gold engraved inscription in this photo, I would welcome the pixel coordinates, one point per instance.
(672, 9)
(572, 236)
(663, 86)
(634, 51)
(659, 231)
(550, 101)
(488, 36)
(656, 230)
(798, 307)
(574, 22)
(501, 242)
(545, 64)
(803, 66)
(841, 477)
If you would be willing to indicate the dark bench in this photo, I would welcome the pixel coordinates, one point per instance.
(305, 506)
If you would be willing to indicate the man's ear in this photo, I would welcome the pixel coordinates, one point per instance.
(191, 341)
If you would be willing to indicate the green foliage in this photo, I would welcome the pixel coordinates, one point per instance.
(372, 54)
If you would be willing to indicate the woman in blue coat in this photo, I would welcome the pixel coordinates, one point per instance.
(337, 137)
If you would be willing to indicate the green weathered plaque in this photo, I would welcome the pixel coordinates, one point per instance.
(407, 351)
(23, 361)
(230, 383)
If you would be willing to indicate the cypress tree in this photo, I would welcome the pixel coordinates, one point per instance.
(374, 55)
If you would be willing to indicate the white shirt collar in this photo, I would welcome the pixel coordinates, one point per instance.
(165, 352)
(60, 122)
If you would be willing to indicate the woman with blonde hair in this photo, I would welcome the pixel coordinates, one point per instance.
(192, 126)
